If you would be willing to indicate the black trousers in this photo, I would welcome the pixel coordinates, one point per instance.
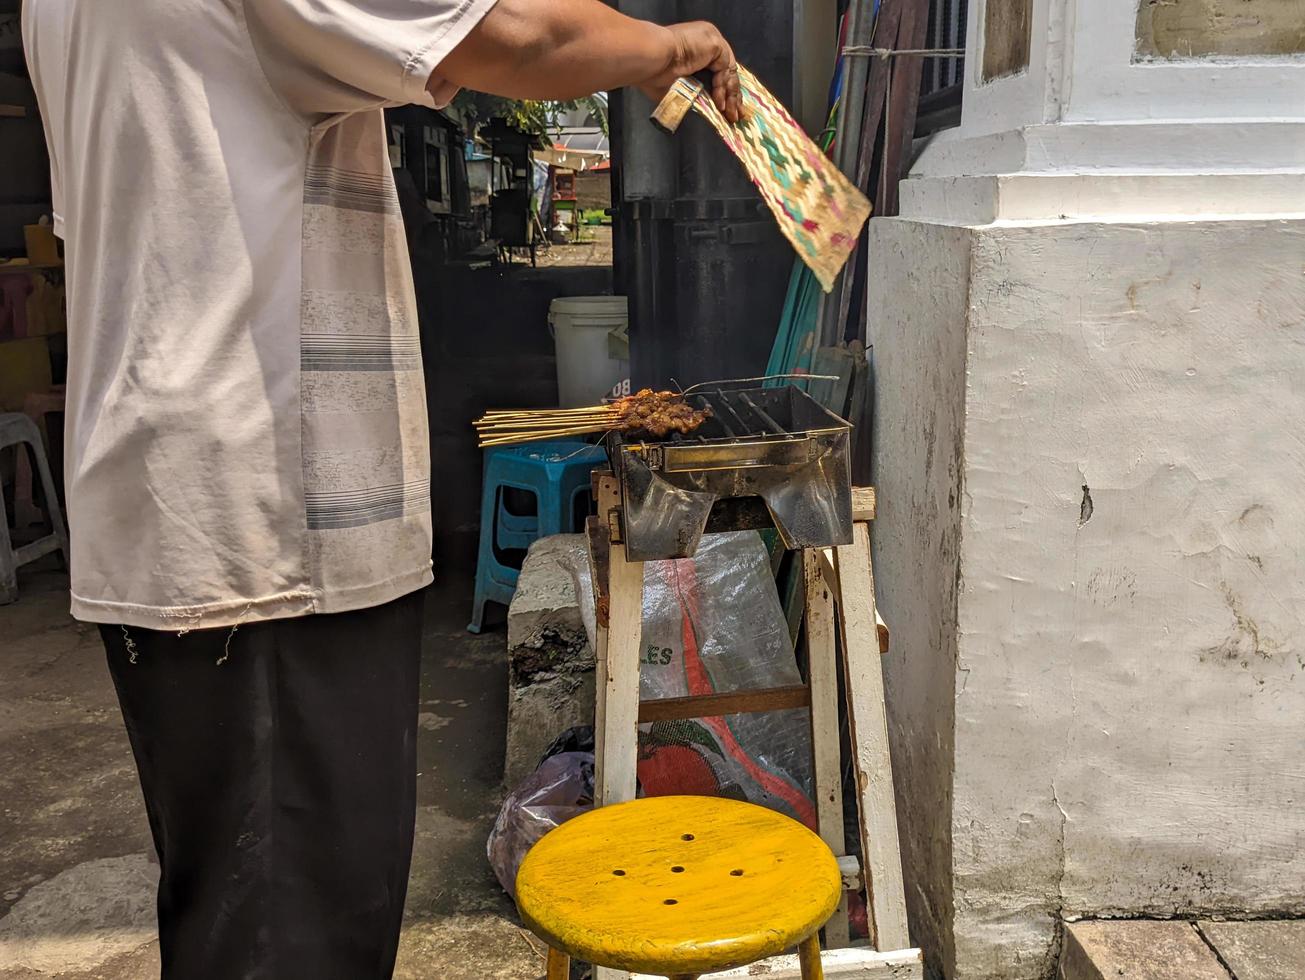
(281, 789)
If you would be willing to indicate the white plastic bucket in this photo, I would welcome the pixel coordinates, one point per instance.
(588, 333)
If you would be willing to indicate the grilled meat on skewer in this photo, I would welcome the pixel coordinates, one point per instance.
(659, 413)
(656, 413)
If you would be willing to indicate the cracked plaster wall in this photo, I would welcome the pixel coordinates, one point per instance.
(920, 297)
(1117, 710)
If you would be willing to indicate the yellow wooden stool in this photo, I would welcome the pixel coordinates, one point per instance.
(678, 886)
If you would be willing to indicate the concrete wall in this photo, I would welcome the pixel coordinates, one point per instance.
(1127, 664)
(920, 384)
(593, 189)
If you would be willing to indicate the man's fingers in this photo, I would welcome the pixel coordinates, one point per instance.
(724, 59)
(720, 95)
(727, 95)
(726, 79)
(701, 46)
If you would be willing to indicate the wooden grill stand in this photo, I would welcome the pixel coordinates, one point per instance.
(839, 585)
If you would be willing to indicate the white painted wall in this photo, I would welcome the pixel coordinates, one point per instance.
(1105, 83)
(1086, 105)
(1013, 101)
(917, 436)
(1097, 280)
(1082, 69)
(1128, 690)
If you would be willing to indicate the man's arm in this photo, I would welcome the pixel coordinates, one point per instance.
(564, 49)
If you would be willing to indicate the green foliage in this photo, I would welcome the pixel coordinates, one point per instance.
(534, 117)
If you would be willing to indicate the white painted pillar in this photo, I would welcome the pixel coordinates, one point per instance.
(1131, 132)
(1089, 330)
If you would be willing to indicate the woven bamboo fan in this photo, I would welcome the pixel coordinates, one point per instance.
(818, 209)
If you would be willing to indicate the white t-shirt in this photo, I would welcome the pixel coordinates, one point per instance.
(246, 422)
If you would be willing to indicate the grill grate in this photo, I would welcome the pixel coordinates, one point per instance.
(751, 414)
(768, 457)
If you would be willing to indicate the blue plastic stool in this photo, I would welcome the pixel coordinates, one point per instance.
(514, 530)
(556, 473)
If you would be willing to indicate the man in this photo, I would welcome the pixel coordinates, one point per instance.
(247, 449)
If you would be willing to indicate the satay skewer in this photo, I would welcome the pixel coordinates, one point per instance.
(489, 419)
(656, 411)
(552, 412)
(544, 424)
(541, 435)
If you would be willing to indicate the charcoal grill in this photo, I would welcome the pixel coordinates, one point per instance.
(768, 457)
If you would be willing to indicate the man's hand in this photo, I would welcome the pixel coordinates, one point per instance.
(700, 46)
(564, 49)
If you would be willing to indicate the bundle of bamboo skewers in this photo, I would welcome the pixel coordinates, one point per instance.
(509, 427)
(656, 412)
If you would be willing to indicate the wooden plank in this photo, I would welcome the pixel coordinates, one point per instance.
(838, 964)
(603, 528)
(839, 363)
(881, 860)
(828, 569)
(903, 98)
(598, 528)
(615, 733)
(559, 965)
(863, 503)
(826, 749)
(728, 703)
(861, 26)
(618, 597)
(600, 548)
(617, 681)
(830, 573)
(608, 497)
(886, 23)
(600, 561)
(885, 36)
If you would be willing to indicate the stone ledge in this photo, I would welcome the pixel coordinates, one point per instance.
(551, 664)
(1137, 950)
(1155, 146)
(1271, 950)
(981, 200)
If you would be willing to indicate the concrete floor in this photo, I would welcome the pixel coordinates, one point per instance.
(76, 872)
